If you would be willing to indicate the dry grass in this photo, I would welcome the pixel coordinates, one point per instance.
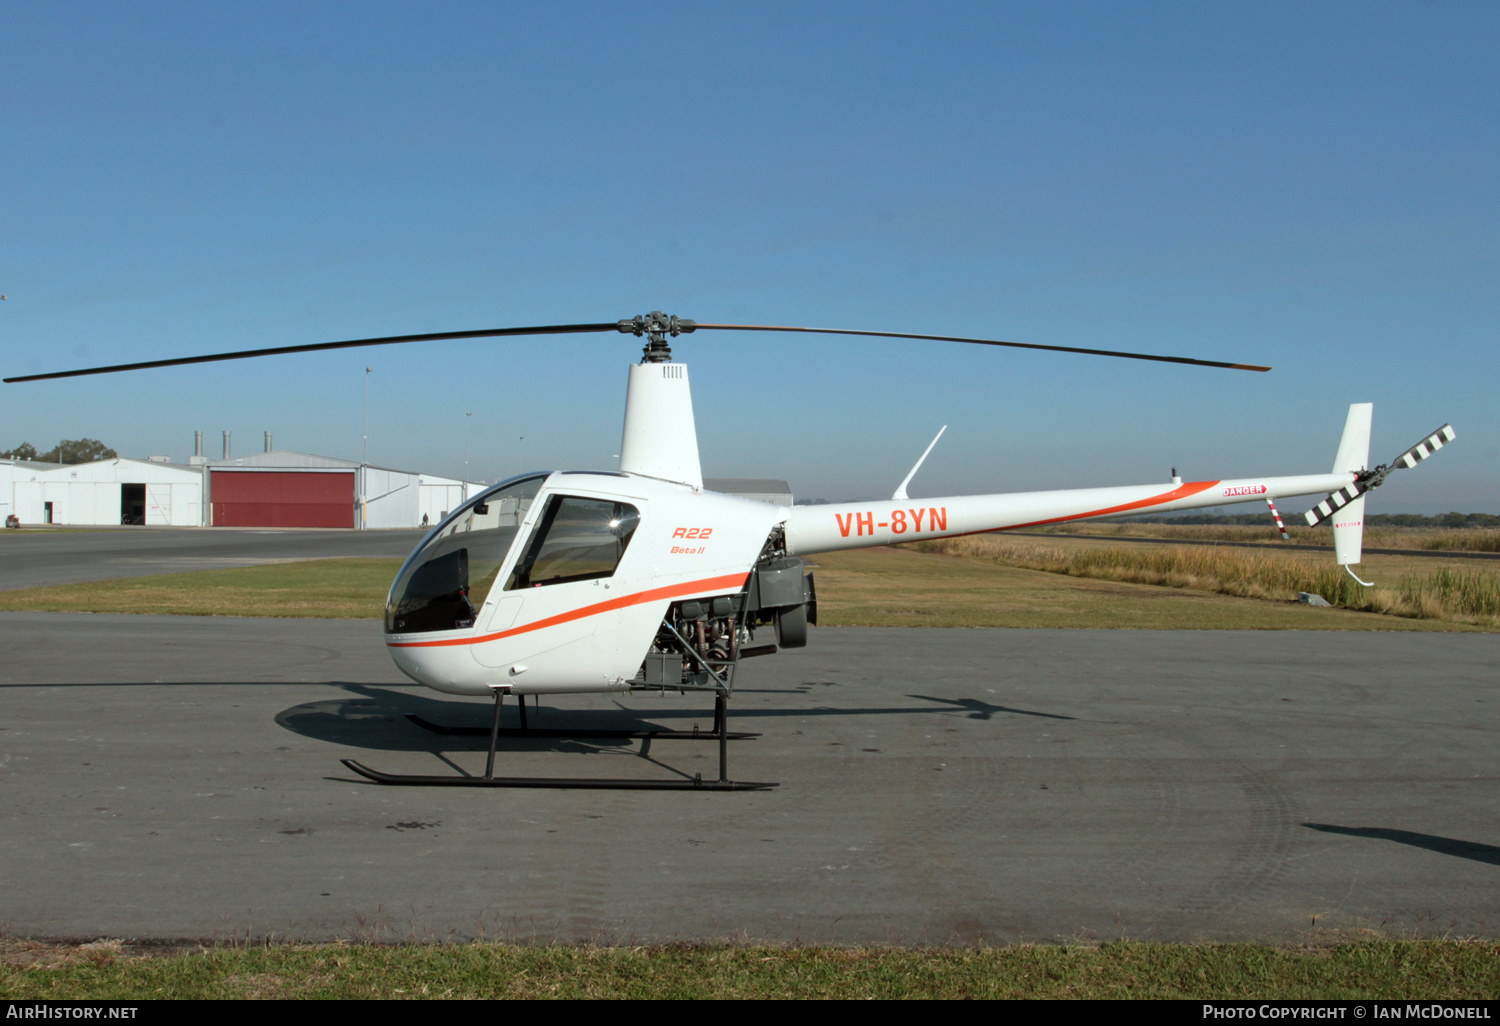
(1468, 541)
(899, 587)
(1465, 595)
(1453, 592)
(1425, 538)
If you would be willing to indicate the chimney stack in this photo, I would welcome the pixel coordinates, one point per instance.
(197, 443)
(268, 441)
(226, 445)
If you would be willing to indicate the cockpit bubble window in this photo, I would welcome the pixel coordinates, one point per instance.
(576, 539)
(444, 583)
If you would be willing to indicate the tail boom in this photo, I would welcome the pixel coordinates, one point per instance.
(853, 525)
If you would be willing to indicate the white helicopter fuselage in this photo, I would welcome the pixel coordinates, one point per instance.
(591, 635)
(680, 542)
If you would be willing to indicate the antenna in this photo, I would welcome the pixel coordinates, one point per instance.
(901, 488)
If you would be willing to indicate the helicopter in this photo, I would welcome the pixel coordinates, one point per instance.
(641, 579)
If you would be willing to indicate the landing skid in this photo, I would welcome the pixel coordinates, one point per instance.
(720, 733)
(583, 783)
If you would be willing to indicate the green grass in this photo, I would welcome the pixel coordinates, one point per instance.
(878, 587)
(1372, 969)
(326, 588)
(1470, 593)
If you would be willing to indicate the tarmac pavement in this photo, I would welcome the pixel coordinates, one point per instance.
(178, 778)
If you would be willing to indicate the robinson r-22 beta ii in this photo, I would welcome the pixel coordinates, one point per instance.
(641, 579)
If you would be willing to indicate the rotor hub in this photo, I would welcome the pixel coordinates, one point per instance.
(656, 326)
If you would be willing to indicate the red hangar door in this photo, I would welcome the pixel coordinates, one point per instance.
(270, 498)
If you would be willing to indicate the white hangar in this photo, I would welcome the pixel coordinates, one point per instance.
(114, 491)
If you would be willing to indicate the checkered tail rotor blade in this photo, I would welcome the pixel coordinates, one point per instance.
(1335, 502)
(1426, 447)
(1373, 479)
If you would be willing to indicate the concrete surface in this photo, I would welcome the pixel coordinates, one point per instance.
(170, 778)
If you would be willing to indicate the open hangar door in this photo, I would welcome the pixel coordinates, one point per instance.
(282, 498)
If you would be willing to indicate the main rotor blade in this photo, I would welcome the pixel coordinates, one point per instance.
(988, 342)
(245, 354)
(636, 327)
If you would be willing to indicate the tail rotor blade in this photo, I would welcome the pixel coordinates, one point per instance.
(1426, 447)
(1375, 478)
(1335, 502)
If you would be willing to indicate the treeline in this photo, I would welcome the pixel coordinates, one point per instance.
(69, 450)
(1456, 520)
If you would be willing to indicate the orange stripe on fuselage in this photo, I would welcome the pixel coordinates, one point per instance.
(1182, 492)
(735, 581)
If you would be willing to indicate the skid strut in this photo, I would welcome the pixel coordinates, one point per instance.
(720, 733)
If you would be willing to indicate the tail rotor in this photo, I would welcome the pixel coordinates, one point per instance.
(1368, 480)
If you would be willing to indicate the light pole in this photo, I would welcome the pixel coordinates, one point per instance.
(467, 415)
(364, 492)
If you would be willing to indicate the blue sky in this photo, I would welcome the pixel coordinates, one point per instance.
(1307, 186)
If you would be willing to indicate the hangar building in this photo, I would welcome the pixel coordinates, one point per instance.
(296, 489)
(114, 491)
(278, 488)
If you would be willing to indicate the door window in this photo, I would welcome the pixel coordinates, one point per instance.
(577, 539)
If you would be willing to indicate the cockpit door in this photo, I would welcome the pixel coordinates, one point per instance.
(563, 589)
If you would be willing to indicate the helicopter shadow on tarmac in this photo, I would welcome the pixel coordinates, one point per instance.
(1473, 850)
(376, 718)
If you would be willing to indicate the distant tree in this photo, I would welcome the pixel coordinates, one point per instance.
(24, 451)
(78, 450)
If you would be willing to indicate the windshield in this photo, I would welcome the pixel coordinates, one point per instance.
(444, 583)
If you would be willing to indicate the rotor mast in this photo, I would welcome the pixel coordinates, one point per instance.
(660, 438)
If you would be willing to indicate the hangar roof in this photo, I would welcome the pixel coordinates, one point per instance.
(762, 489)
(111, 470)
(286, 459)
(32, 464)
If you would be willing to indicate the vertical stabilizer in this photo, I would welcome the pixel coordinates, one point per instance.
(1353, 457)
(660, 437)
(1354, 447)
